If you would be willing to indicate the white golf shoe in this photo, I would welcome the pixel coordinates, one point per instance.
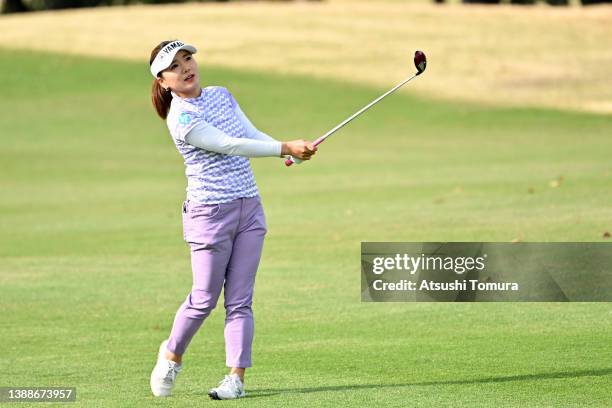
(163, 376)
(229, 388)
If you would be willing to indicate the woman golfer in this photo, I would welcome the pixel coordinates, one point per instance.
(223, 219)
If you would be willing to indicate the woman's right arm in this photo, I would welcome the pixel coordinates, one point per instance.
(208, 137)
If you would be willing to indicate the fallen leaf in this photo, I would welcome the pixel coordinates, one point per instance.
(557, 182)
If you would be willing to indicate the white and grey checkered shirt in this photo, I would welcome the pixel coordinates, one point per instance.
(211, 177)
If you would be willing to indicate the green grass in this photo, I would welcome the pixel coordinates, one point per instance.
(93, 266)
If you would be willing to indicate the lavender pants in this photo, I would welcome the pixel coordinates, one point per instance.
(226, 241)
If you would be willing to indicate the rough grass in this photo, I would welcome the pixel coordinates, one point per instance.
(503, 55)
(92, 265)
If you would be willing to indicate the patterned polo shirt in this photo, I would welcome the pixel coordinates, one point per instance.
(211, 177)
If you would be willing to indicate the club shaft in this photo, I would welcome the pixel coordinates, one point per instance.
(365, 108)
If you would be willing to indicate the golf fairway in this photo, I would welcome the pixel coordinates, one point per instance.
(93, 266)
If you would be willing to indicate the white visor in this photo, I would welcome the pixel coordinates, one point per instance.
(166, 55)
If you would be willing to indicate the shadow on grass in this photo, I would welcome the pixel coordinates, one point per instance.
(524, 377)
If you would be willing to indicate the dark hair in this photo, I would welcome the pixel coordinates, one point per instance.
(160, 97)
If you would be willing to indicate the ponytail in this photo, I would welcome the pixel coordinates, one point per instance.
(160, 97)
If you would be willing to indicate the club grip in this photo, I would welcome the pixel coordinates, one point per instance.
(290, 160)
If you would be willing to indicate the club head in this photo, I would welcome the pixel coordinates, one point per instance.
(420, 62)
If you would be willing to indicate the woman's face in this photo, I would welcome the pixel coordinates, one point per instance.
(182, 76)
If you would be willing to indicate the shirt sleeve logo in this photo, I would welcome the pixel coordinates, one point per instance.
(184, 118)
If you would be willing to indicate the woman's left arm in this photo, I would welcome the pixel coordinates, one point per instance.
(252, 131)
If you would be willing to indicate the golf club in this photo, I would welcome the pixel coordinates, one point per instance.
(420, 62)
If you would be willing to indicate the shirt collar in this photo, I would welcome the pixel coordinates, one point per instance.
(188, 99)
